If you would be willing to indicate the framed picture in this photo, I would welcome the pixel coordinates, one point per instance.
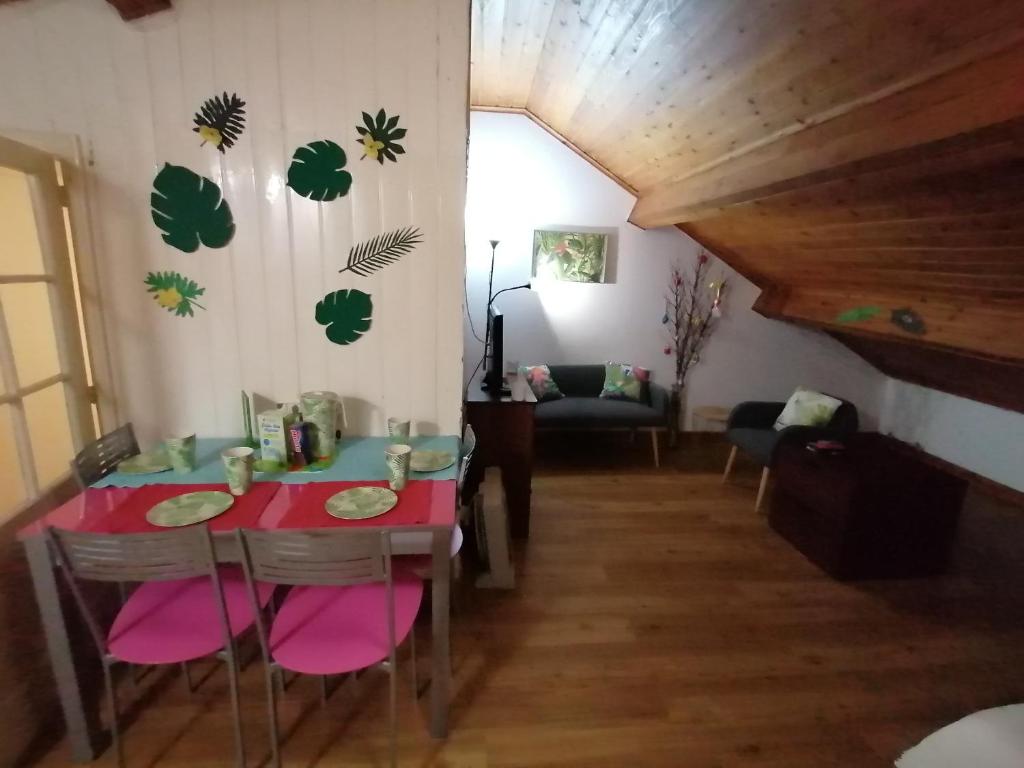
(575, 255)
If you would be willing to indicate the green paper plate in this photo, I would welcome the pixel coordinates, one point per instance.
(361, 503)
(430, 461)
(189, 508)
(145, 463)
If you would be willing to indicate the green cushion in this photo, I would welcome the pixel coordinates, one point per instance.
(807, 408)
(623, 381)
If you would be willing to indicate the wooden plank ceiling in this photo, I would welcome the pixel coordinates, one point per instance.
(839, 153)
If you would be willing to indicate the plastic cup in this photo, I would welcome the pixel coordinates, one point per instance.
(397, 457)
(238, 468)
(181, 451)
(398, 431)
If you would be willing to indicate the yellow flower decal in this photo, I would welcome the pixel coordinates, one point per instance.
(168, 298)
(211, 135)
(371, 148)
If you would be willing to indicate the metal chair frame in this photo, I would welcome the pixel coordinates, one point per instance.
(339, 558)
(101, 457)
(142, 557)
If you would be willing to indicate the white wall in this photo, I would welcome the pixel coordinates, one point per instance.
(978, 437)
(522, 178)
(307, 69)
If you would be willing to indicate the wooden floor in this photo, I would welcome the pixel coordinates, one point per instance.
(658, 622)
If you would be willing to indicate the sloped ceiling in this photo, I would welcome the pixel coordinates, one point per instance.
(839, 153)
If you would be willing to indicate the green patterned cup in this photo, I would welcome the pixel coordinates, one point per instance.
(181, 451)
(398, 431)
(238, 468)
(320, 409)
(397, 457)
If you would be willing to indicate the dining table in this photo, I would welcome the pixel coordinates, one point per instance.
(421, 523)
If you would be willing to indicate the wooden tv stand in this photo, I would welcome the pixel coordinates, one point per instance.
(504, 438)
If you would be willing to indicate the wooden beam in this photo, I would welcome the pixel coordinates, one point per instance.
(136, 9)
(969, 328)
(945, 107)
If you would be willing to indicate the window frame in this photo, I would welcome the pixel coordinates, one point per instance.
(50, 205)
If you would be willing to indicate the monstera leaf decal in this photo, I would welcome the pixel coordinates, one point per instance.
(346, 314)
(316, 171)
(190, 210)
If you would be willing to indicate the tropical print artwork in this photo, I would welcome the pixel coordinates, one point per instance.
(908, 320)
(577, 257)
(317, 171)
(220, 121)
(347, 315)
(174, 292)
(379, 137)
(366, 258)
(541, 383)
(190, 210)
(623, 381)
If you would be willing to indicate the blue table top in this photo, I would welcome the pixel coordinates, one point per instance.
(359, 458)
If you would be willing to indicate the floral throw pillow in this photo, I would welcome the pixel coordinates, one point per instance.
(623, 381)
(807, 408)
(540, 381)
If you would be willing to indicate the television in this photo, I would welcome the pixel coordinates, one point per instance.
(494, 374)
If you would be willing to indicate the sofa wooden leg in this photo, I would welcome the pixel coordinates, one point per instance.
(654, 445)
(728, 464)
(760, 490)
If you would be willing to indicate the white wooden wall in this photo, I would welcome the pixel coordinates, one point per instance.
(307, 69)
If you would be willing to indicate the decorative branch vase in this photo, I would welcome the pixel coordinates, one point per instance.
(675, 407)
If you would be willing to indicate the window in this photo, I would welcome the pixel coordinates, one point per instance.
(46, 411)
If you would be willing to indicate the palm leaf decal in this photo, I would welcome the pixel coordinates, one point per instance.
(174, 292)
(316, 171)
(189, 209)
(347, 315)
(379, 137)
(366, 258)
(221, 121)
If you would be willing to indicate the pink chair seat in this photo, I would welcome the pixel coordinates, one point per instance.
(166, 622)
(322, 630)
(421, 563)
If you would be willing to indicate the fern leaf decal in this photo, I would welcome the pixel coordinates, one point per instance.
(366, 258)
(221, 121)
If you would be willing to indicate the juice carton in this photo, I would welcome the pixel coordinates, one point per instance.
(273, 433)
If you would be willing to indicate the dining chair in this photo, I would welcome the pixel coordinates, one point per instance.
(347, 609)
(100, 457)
(185, 607)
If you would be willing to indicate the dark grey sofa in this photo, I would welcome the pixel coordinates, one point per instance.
(582, 408)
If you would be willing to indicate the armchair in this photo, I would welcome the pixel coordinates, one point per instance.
(751, 426)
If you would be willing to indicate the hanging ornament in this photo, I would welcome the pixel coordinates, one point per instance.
(667, 350)
(702, 258)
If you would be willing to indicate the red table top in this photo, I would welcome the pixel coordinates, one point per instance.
(267, 505)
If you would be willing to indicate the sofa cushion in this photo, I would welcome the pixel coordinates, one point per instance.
(541, 382)
(596, 412)
(578, 380)
(807, 408)
(623, 381)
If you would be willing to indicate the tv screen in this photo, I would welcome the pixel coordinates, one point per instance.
(494, 377)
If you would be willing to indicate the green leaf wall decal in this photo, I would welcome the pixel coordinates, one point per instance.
(366, 258)
(380, 136)
(347, 315)
(190, 210)
(174, 292)
(316, 171)
(858, 314)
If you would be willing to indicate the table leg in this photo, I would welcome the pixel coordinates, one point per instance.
(440, 652)
(83, 728)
